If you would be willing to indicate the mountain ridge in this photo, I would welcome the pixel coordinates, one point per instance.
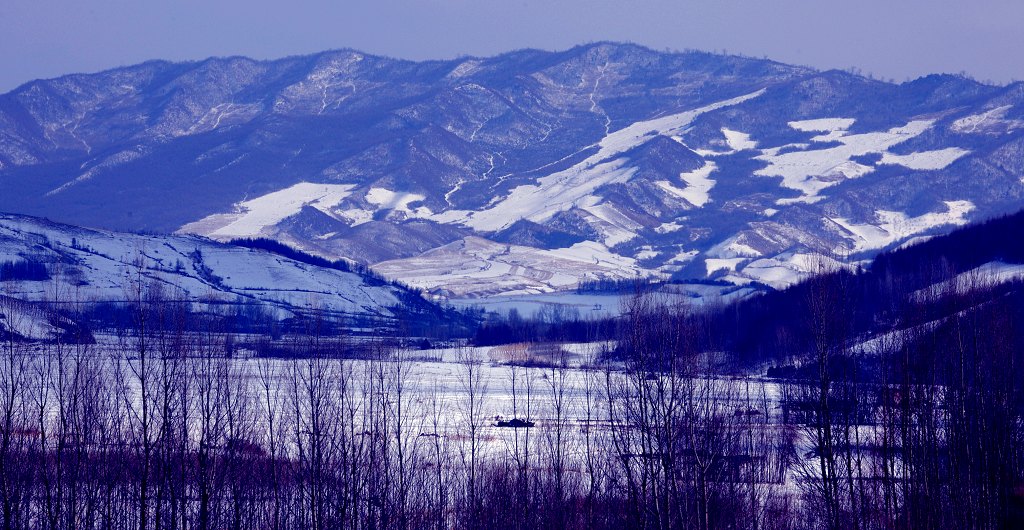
(683, 165)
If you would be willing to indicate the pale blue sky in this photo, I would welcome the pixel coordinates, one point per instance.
(890, 38)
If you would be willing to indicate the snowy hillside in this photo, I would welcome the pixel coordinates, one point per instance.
(97, 266)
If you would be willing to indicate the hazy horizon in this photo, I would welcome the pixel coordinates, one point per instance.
(51, 38)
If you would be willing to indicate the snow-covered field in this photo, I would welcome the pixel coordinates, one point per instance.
(436, 387)
(479, 267)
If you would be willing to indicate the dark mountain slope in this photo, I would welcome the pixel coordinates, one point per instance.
(696, 165)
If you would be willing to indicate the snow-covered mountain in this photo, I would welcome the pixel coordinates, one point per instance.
(93, 266)
(524, 172)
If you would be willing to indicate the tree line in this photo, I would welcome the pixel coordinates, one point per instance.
(153, 426)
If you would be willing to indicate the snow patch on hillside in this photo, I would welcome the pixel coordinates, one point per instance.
(554, 193)
(678, 261)
(989, 122)
(897, 226)
(222, 114)
(698, 189)
(474, 267)
(562, 190)
(716, 264)
(823, 124)
(925, 160)
(785, 269)
(989, 274)
(738, 141)
(646, 252)
(667, 228)
(116, 159)
(325, 88)
(252, 217)
(734, 247)
(811, 171)
(465, 68)
(397, 200)
(385, 199)
(614, 226)
(684, 256)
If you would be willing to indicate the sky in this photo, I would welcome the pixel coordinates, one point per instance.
(891, 39)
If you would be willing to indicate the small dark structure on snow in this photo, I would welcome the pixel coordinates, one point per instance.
(513, 423)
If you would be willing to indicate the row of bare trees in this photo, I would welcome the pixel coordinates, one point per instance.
(920, 427)
(153, 427)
